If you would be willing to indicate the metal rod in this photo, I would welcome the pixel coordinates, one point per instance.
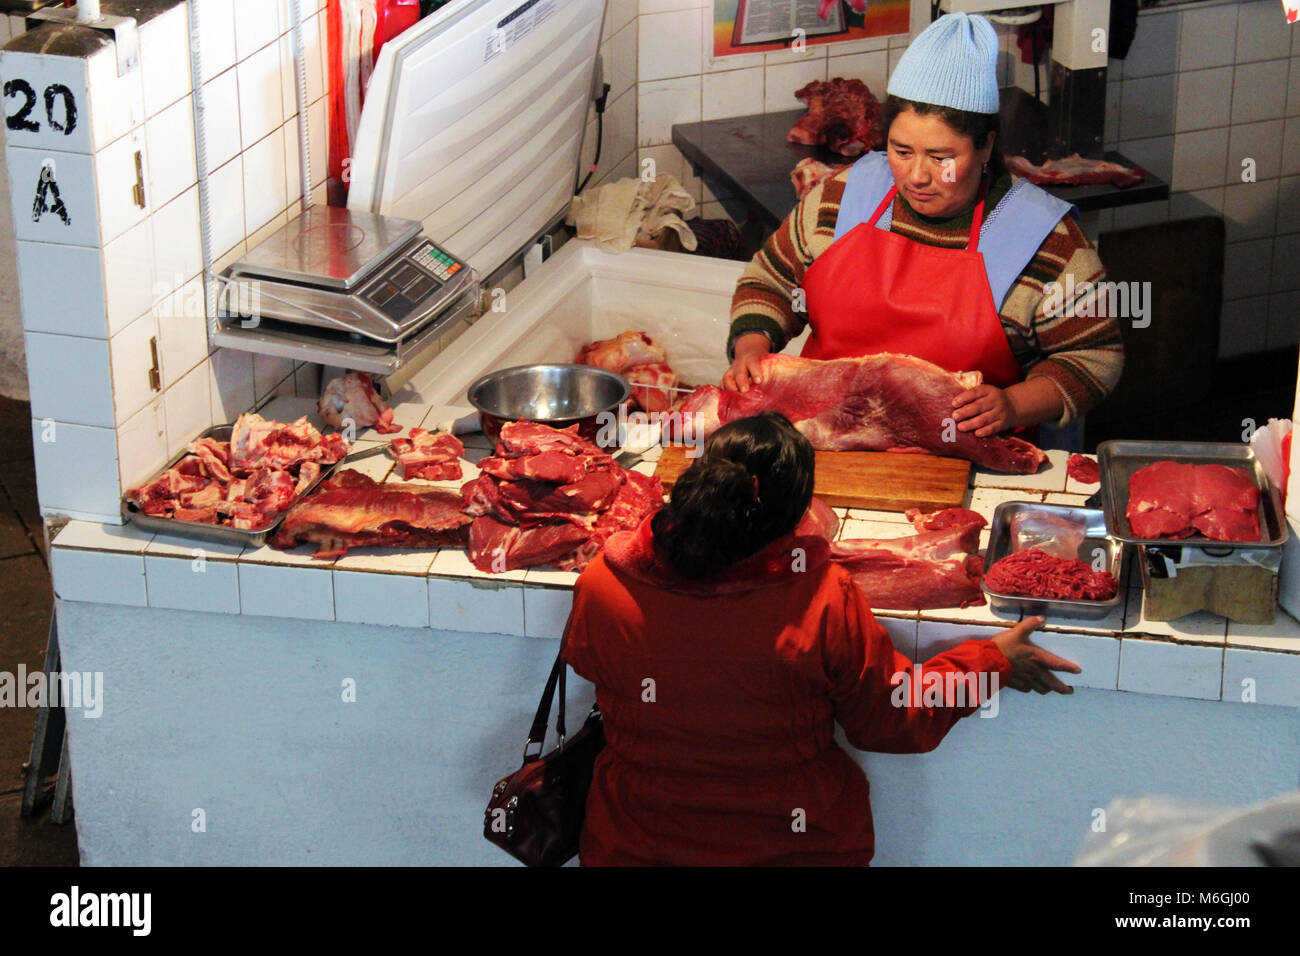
(300, 90)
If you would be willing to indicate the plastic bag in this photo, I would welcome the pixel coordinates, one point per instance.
(1054, 535)
(1272, 446)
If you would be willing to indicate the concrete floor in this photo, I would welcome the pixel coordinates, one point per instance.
(26, 599)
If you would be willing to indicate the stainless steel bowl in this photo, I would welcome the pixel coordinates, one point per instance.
(555, 395)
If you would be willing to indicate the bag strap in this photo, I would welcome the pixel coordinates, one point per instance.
(537, 733)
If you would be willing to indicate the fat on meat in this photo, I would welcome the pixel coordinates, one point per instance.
(623, 351)
(434, 456)
(939, 566)
(881, 402)
(353, 397)
(651, 384)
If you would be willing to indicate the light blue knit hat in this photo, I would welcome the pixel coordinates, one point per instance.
(952, 63)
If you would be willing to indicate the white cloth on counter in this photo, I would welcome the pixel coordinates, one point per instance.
(617, 214)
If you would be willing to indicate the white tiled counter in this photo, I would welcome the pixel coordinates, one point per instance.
(1199, 707)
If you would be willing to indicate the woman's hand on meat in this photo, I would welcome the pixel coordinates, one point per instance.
(984, 410)
(745, 370)
(1033, 666)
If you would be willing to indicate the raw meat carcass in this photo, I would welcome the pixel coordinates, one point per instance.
(940, 566)
(1083, 470)
(843, 116)
(1168, 499)
(1052, 534)
(1076, 171)
(625, 350)
(256, 443)
(808, 173)
(431, 455)
(882, 402)
(651, 384)
(353, 398)
(497, 547)
(1036, 574)
(352, 510)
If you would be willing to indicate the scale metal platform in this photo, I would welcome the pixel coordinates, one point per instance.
(344, 287)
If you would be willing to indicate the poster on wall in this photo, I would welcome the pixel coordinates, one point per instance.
(757, 26)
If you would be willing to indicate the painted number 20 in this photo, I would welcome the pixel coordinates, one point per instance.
(21, 120)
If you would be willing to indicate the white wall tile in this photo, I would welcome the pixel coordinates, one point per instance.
(188, 585)
(1272, 679)
(268, 372)
(142, 444)
(264, 182)
(1208, 37)
(1286, 263)
(189, 410)
(783, 80)
(663, 103)
(1262, 34)
(182, 331)
(644, 7)
(115, 181)
(1200, 202)
(1291, 147)
(230, 377)
(170, 135)
(257, 23)
(871, 68)
(733, 93)
(74, 176)
(902, 634)
(216, 36)
(178, 255)
(1243, 326)
(260, 106)
(100, 577)
(69, 379)
(1147, 107)
(164, 59)
(1199, 159)
(1261, 142)
(1155, 46)
(1284, 320)
(619, 14)
(1245, 267)
(1110, 130)
(546, 611)
(1176, 670)
(668, 45)
(1288, 205)
(1156, 155)
(318, 133)
(33, 128)
(936, 637)
(61, 289)
(1204, 99)
(131, 360)
(226, 192)
(481, 606)
(221, 118)
(620, 65)
(286, 591)
(1293, 89)
(1259, 91)
(1250, 209)
(129, 278)
(1097, 656)
(393, 600)
(76, 468)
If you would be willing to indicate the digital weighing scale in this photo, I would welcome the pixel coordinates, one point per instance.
(344, 287)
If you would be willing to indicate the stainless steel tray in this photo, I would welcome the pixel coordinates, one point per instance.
(1095, 538)
(223, 534)
(1120, 459)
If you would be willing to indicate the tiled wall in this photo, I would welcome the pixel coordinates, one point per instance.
(98, 293)
(618, 50)
(1204, 88)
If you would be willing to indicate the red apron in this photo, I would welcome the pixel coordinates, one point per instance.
(876, 291)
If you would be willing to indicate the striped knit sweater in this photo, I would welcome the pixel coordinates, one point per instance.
(1080, 353)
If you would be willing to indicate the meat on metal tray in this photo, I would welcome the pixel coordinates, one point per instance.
(1119, 460)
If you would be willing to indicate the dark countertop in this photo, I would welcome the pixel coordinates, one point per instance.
(748, 158)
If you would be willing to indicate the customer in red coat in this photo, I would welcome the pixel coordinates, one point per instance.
(724, 647)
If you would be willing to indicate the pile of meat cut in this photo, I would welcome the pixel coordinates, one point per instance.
(1036, 574)
(246, 482)
(1076, 171)
(639, 359)
(434, 456)
(939, 566)
(550, 497)
(881, 402)
(1168, 499)
(843, 116)
(352, 510)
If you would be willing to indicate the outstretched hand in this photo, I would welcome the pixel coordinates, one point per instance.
(746, 369)
(1033, 666)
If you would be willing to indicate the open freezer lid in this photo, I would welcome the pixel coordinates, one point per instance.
(473, 123)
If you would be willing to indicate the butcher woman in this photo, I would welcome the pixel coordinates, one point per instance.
(931, 249)
(724, 647)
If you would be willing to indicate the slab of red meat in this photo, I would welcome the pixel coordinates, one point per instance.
(353, 398)
(1168, 499)
(882, 402)
(1076, 171)
(843, 115)
(940, 566)
(638, 497)
(1036, 574)
(351, 510)
(495, 547)
(430, 455)
(1083, 470)
(625, 350)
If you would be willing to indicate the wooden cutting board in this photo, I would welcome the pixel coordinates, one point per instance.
(881, 481)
